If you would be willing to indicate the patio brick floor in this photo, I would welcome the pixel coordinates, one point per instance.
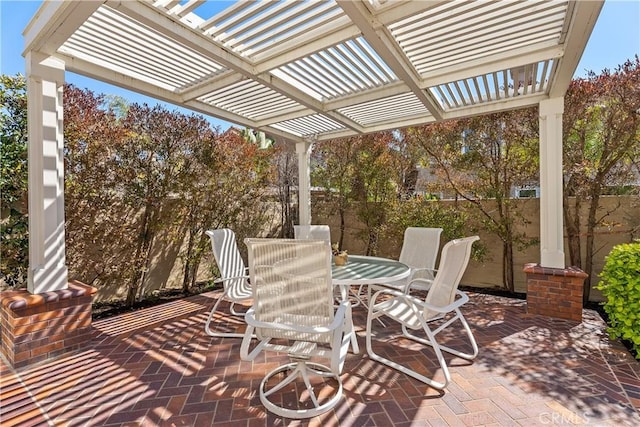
(157, 367)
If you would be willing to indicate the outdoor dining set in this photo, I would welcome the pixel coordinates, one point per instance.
(301, 300)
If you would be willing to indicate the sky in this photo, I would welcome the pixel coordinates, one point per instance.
(615, 39)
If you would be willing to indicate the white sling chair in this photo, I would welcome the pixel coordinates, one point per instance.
(234, 277)
(316, 232)
(442, 303)
(312, 232)
(419, 252)
(293, 313)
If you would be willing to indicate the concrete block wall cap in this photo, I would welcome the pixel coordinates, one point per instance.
(20, 299)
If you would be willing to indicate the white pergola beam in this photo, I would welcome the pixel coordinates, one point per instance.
(196, 41)
(87, 69)
(378, 38)
(585, 14)
(54, 23)
(522, 101)
(503, 61)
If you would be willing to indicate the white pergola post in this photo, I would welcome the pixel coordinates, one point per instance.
(551, 225)
(47, 266)
(303, 150)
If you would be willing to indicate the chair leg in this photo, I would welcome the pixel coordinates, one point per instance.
(208, 326)
(463, 355)
(352, 331)
(233, 311)
(433, 343)
(302, 369)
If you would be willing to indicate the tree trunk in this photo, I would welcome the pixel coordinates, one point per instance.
(141, 255)
(342, 228)
(187, 271)
(588, 262)
(507, 265)
(572, 226)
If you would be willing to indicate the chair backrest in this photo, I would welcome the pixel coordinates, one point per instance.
(453, 263)
(291, 285)
(312, 232)
(228, 258)
(420, 248)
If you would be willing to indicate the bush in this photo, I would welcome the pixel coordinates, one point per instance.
(620, 284)
(14, 225)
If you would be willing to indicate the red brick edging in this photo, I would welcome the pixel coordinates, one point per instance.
(555, 292)
(37, 327)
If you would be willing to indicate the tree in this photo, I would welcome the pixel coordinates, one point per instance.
(601, 136)
(376, 185)
(480, 160)
(285, 164)
(155, 162)
(14, 238)
(229, 185)
(426, 211)
(333, 169)
(98, 233)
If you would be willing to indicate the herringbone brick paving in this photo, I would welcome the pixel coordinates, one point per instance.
(157, 367)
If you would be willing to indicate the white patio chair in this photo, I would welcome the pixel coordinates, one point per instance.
(234, 277)
(316, 232)
(313, 232)
(442, 303)
(293, 312)
(419, 251)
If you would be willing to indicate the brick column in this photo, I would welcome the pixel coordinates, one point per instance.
(37, 327)
(555, 292)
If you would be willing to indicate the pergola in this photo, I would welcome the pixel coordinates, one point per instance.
(305, 71)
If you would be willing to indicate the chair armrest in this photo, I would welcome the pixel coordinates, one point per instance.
(226, 279)
(447, 308)
(420, 304)
(387, 291)
(426, 284)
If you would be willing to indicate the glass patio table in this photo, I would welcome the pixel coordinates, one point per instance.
(366, 270)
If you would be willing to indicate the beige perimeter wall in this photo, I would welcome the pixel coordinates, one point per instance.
(619, 226)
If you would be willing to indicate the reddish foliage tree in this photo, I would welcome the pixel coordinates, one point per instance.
(601, 136)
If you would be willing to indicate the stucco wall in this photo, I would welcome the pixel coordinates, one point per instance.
(624, 217)
(622, 221)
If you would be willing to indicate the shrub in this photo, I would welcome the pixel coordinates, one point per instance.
(14, 237)
(620, 284)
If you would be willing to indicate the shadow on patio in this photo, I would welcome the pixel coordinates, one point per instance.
(157, 367)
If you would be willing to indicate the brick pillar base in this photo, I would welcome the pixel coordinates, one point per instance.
(555, 292)
(37, 327)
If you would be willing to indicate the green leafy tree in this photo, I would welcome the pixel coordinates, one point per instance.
(376, 185)
(14, 238)
(601, 136)
(333, 170)
(284, 163)
(480, 160)
(425, 211)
